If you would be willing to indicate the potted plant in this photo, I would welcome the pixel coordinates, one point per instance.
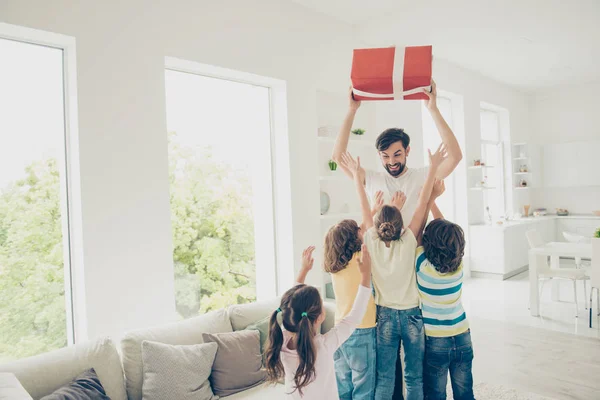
(332, 165)
(358, 131)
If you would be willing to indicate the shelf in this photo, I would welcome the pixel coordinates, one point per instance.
(520, 144)
(340, 177)
(521, 158)
(521, 187)
(483, 188)
(481, 166)
(362, 142)
(522, 173)
(341, 216)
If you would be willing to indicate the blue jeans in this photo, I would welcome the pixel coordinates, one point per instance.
(454, 354)
(355, 365)
(396, 327)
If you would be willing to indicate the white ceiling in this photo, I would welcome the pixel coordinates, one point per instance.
(529, 44)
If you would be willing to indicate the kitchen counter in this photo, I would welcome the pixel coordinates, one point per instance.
(533, 220)
(501, 251)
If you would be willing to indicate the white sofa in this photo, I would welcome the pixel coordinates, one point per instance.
(121, 375)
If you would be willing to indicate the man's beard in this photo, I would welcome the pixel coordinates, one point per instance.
(396, 172)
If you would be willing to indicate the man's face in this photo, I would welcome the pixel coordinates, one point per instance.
(394, 158)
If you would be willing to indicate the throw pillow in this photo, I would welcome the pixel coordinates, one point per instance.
(262, 327)
(177, 372)
(86, 386)
(238, 364)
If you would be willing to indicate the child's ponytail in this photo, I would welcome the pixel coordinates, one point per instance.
(306, 352)
(272, 354)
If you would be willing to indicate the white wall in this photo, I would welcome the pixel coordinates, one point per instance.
(567, 114)
(125, 189)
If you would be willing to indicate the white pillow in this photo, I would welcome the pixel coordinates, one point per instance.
(11, 388)
(177, 372)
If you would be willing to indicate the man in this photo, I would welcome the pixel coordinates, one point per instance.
(393, 147)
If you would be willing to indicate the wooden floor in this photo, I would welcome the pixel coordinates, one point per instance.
(553, 364)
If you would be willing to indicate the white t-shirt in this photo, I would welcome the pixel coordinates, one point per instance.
(410, 183)
(393, 270)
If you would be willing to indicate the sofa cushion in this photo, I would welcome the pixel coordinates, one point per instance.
(242, 315)
(86, 386)
(42, 374)
(11, 388)
(262, 327)
(185, 332)
(177, 372)
(238, 363)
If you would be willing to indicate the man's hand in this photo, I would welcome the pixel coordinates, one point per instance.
(398, 200)
(377, 202)
(438, 188)
(431, 104)
(307, 259)
(353, 104)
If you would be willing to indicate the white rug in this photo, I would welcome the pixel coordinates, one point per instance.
(488, 391)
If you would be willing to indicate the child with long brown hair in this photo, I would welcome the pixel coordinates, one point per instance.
(296, 350)
(392, 247)
(355, 360)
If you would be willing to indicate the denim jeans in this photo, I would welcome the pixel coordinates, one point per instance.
(395, 328)
(355, 365)
(453, 354)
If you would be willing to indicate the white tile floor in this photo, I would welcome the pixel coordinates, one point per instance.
(508, 301)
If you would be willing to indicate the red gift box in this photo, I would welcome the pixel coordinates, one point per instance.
(391, 73)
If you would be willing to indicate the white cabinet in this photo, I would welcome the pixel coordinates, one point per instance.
(501, 251)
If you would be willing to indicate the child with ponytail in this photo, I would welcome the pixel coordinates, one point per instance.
(392, 248)
(296, 350)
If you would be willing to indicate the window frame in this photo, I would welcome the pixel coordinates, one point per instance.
(281, 278)
(69, 172)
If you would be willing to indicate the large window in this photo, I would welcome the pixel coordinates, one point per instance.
(431, 140)
(492, 156)
(35, 296)
(221, 173)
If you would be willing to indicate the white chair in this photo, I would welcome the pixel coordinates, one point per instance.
(595, 276)
(577, 238)
(546, 273)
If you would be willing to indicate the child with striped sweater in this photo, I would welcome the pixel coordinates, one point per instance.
(448, 346)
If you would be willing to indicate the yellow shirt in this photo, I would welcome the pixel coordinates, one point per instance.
(345, 287)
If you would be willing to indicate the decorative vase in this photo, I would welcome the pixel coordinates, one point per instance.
(526, 210)
(324, 203)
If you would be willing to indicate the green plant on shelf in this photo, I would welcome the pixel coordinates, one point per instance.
(597, 234)
(332, 165)
(358, 131)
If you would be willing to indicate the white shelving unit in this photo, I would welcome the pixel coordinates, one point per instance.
(521, 152)
(331, 108)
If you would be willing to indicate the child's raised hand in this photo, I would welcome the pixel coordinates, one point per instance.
(307, 259)
(377, 202)
(438, 188)
(350, 163)
(437, 158)
(398, 199)
(364, 264)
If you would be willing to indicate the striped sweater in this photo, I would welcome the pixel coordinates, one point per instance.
(443, 313)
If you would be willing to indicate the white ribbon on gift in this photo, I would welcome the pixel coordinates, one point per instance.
(398, 81)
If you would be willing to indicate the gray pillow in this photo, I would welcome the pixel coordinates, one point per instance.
(86, 386)
(262, 327)
(238, 364)
(177, 372)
